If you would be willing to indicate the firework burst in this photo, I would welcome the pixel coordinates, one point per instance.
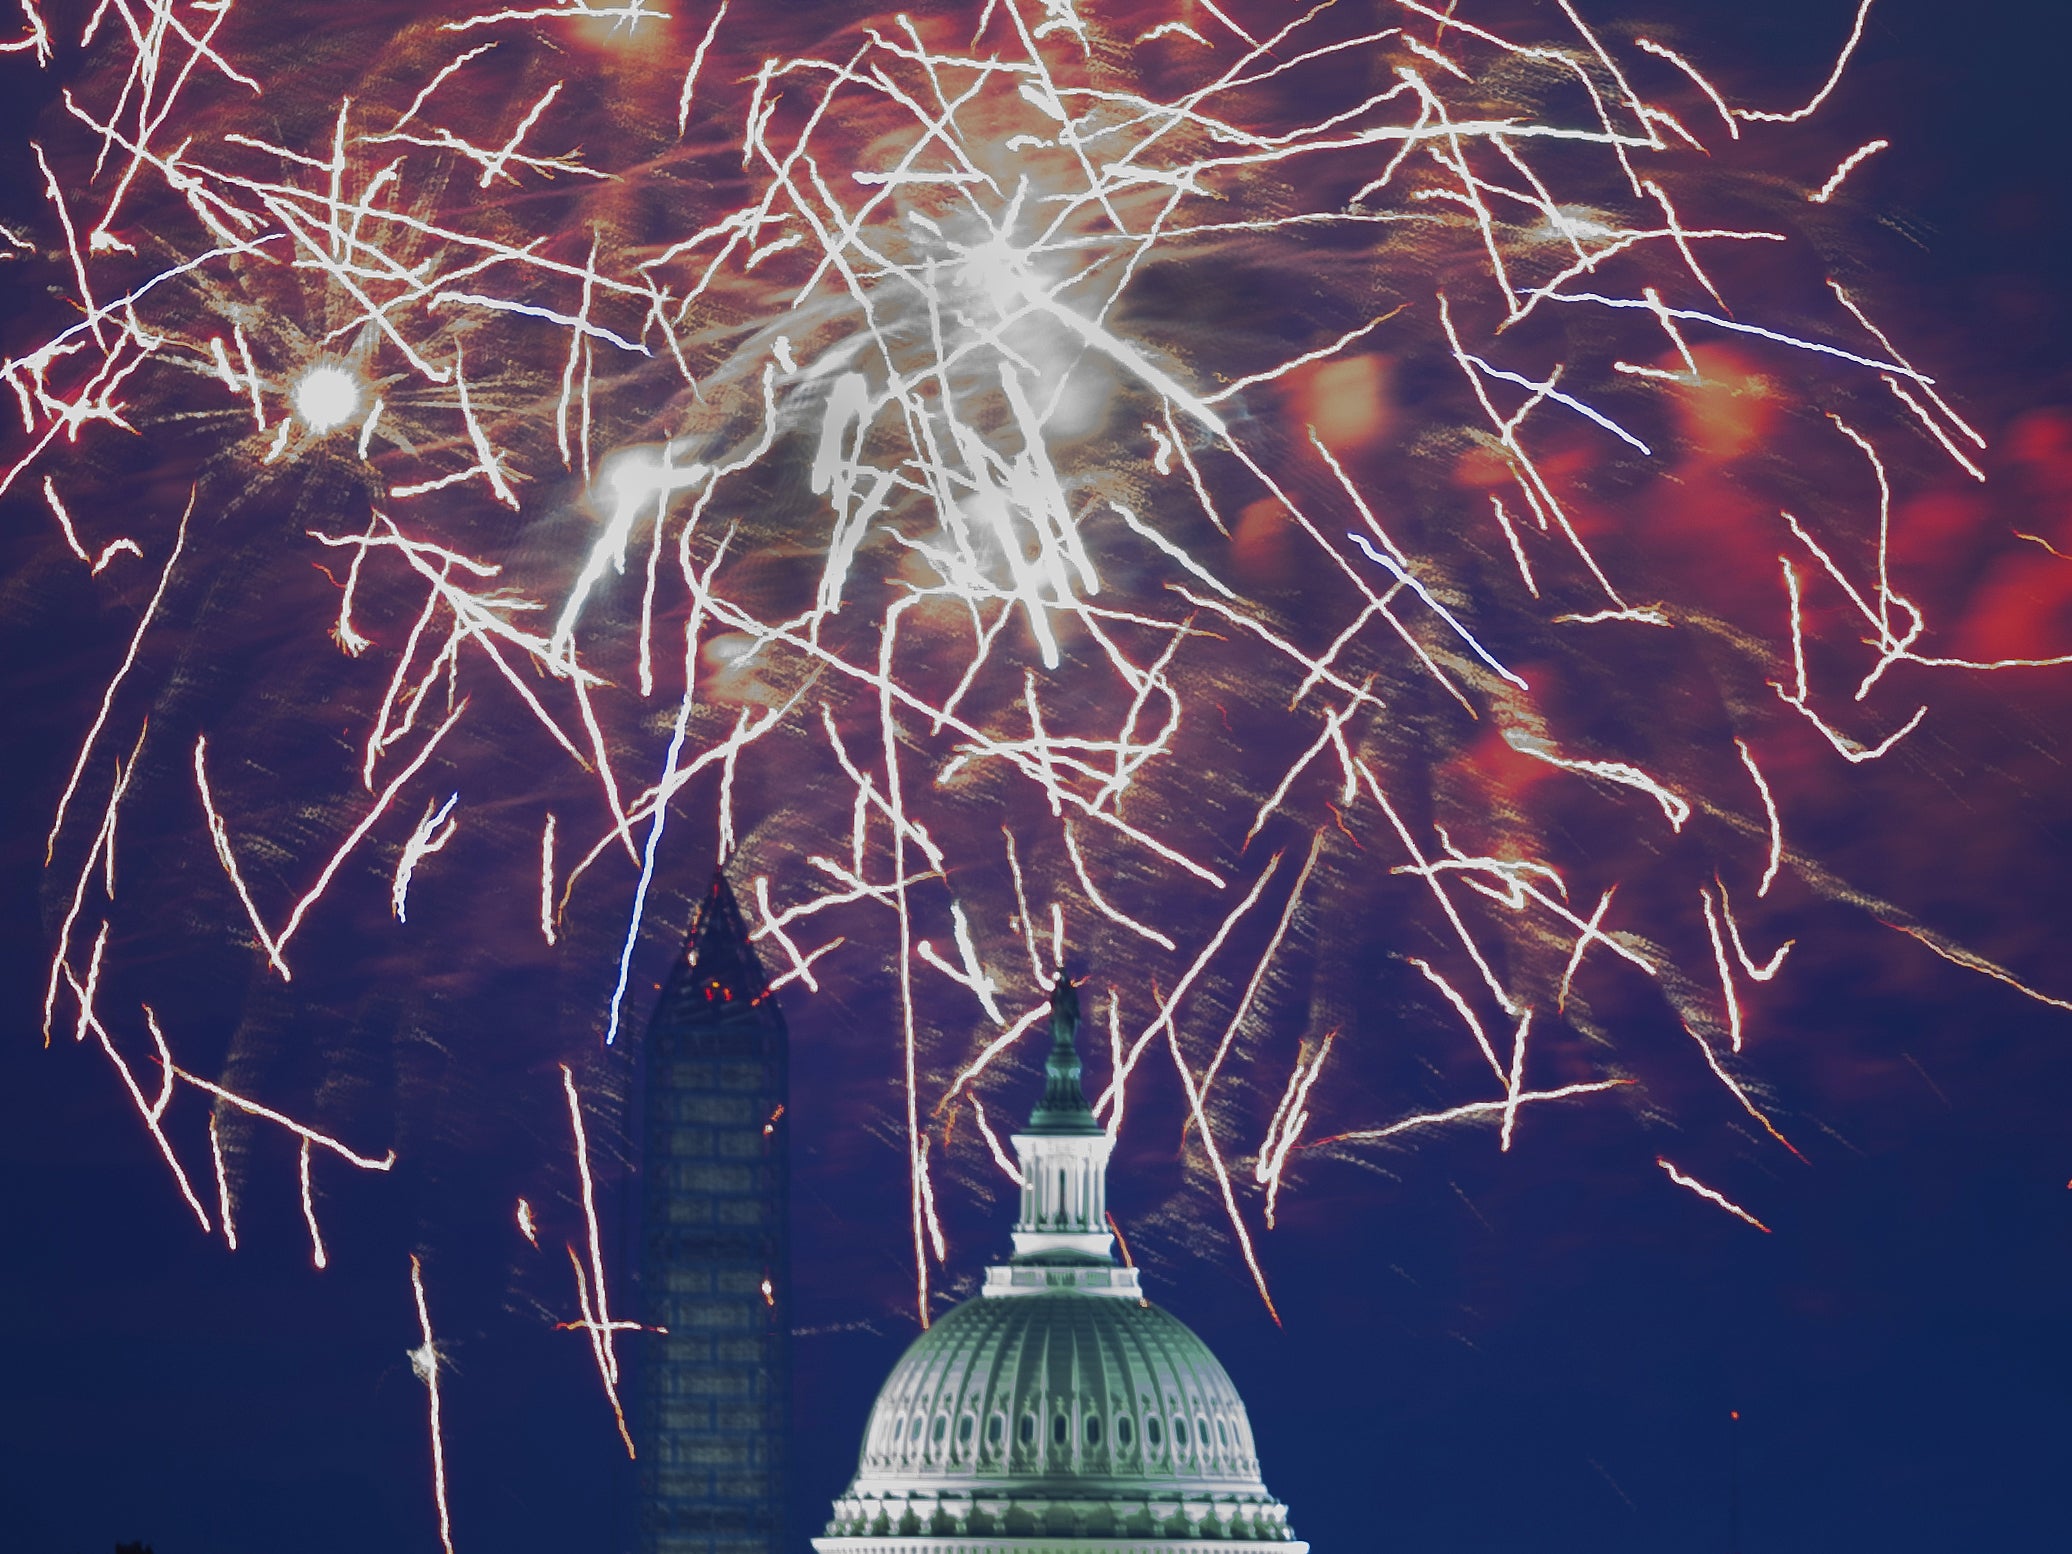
(1225, 495)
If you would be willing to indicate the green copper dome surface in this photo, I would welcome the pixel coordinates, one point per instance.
(1139, 1397)
(1061, 1414)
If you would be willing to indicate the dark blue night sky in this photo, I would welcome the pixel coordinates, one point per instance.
(1541, 1351)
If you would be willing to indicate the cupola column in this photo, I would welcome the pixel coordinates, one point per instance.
(1063, 1154)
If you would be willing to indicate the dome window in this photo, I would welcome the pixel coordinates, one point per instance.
(1152, 1431)
(965, 1427)
(1122, 1430)
(942, 1424)
(1222, 1435)
(1028, 1430)
(1201, 1431)
(996, 1431)
(914, 1434)
(1093, 1430)
(1060, 1430)
(1179, 1433)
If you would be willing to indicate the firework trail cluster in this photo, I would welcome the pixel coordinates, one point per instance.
(1116, 487)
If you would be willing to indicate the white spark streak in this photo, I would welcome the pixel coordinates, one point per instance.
(219, 833)
(129, 659)
(37, 38)
(599, 1327)
(1514, 1083)
(1266, 959)
(1470, 1111)
(1762, 787)
(974, 975)
(1920, 413)
(1642, 617)
(1710, 1196)
(1970, 962)
(306, 1134)
(1848, 165)
(309, 1211)
(152, 1112)
(1321, 353)
(1675, 808)
(920, 1193)
(1926, 386)
(222, 1184)
(1174, 29)
(1735, 1089)
(1764, 971)
(1001, 1158)
(433, 832)
(495, 167)
(1101, 903)
(1402, 575)
(1736, 326)
(569, 321)
(1547, 390)
(244, 354)
(103, 849)
(654, 841)
(805, 966)
(1834, 79)
(690, 78)
(1517, 550)
(1111, 1097)
(1796, 699)
(993, 1049)
(353, 838)
(109, 551)
(425, 1361)
(1719, 960)
(774, 926)
(1466, 1012)
(1575, 960)
(56, 196)
(444, 74)
(1208, 1141)
(1711, 92)
(1334, 722)
(547, 880)
(1179, 555)
(274, 944)
(1289, 1120)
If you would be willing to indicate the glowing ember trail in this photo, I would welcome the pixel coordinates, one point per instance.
(1710, 1196)
(425, 1361)
(904, 463)
(597, 1323)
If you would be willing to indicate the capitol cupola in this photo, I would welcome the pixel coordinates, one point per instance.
(1060, 1412)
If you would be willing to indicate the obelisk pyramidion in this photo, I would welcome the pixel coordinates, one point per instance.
(714, 1405)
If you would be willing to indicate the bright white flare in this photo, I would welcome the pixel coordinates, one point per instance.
(326, 398)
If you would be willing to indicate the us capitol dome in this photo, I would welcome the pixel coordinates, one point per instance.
(1059, 1412)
